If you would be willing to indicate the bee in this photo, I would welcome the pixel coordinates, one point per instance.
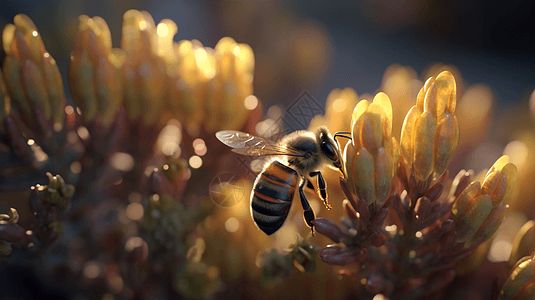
(297, 157)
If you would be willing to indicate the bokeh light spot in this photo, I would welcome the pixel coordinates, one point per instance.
(134, 211)
(76, 167)
(91, 270)
(83, 133)
(133, 243)
(500, 250)
(251, 102)
(69, 109)
(274, 112)
(232, 224)
(134, 197)
(122, 161)
(195, 161)
(170, 138)
(162, 30)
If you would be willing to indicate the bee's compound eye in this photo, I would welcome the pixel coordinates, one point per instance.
(328, 150)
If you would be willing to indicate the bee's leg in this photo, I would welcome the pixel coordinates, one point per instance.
(322, 188)
(309, 214)
(310, 185)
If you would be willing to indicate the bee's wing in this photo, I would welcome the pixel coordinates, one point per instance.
(238, 139)
(247, 144)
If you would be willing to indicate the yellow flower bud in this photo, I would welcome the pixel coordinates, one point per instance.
(478, 210)
(371, 158)
(144, 71)
(446, 140)
(230, 86)
(430, 132)
(424, 133)
(32, 76)
(363, 175)
(94, 71)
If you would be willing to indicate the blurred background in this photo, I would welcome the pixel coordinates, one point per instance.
(318, 46)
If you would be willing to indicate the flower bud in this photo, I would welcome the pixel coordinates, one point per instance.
(143, 70)
(520, 284)
(32, 76)
(478, 207)
(430, 132)
(232, 83)
(371, 158)
(94, 71)
(190, 72)
(500, 180)
(57, 192)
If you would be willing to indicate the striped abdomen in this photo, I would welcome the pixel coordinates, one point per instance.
(272, 196)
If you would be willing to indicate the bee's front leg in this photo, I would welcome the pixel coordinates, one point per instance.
(322, 188)
(309, 213)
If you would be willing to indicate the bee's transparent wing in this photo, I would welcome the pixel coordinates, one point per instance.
(247, 144)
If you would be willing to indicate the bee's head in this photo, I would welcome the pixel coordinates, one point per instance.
(330, 149)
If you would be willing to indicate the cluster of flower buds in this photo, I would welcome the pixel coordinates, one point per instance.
(211, 84)
(46, 202)
(95, 76)
(32, 79)
(371, 159)
(207, 86)
(166, 228)
(143, 69)
(431, 230)
(480, 208)
(430, 132)
(32, 109)
(277, 266)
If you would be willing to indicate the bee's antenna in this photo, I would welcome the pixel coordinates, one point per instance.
(341, 134)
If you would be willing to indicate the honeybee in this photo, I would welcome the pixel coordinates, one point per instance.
(297, 156)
